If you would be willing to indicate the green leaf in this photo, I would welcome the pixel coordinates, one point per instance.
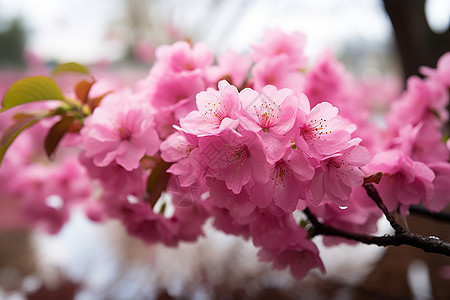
(31, 89)
(56, 133)
(157, 181)
(71, 67)
(10, 134)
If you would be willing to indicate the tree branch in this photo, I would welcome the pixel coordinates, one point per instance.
(420, 210)
(373, 194)
(428, 244)
(417, 44)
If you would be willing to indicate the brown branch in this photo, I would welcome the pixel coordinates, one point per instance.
(417, 44)
(373, 194)
(427, 244)
(420, 210)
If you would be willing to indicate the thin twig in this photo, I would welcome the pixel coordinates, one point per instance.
(372, 192)
(427, 244)
(420, 210)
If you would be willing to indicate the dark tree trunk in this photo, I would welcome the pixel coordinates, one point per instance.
(417, 44)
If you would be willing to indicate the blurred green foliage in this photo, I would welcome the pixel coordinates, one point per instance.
(12, 44)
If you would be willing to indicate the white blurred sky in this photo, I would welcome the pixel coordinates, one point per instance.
(81, 30)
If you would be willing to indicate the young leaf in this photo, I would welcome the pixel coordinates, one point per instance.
(157, 182)
(10, 134)
(374, 178)
(23, 115)
(31, 89)
(82, 90)
(56, 133)
(70, 67)
(94, 102)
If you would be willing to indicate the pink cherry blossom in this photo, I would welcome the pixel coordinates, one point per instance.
(217, 110)
(115, 179)
(181, 57)
(142, 222)
(121, 130)
(321, 131)
(95, 211)
(289, 184)
(277, 71)
(274, 231)
(190, 221)
(378, 92)
(326, 80)
(442, 71)
(182, 149)
(231, 66)
(238, 205)
(360, 216)
(271, 110)
(404, 182)
(423, 142)
(177, 76)
(69, 181)
(300, 258)
(275, 42)
(441, 184)
(422, 99)
(52, 191)
(228, 223)
(172, 93)
(46, 218)
(339, 173)
(284, 243)
(182, 194)
(236, 158)
(248, 146)
(178, 146)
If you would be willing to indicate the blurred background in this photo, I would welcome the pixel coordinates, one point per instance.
(91, 261)
(125, 31)
(116, 31)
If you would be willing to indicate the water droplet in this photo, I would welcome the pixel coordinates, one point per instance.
(434, 237)
(343, 207)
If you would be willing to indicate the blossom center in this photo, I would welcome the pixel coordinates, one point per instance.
(214, 113)
(238, 155)
(267, 114)
(281, 170)
(124, 133)
(315, 129)
(335, 163)
(185, 148)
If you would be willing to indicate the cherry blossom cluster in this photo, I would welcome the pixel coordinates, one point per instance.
(248, 142)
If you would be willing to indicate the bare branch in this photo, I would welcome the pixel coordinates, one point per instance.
(428, 244)
(420, 210)
(373, 194)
